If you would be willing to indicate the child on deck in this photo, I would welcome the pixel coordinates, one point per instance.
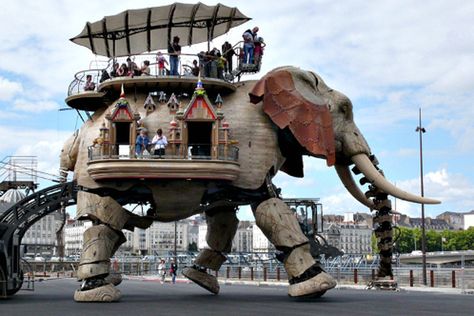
(161, 60)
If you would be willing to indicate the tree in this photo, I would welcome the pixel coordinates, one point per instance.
(192, 246)
(409, 239)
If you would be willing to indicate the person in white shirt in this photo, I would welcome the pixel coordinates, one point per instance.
(162, 271)
(160, 143)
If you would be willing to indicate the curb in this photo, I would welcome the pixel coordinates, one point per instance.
(281, 284)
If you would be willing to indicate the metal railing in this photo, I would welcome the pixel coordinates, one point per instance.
(19, 168)
(265, 267)
(194, 151)
(102, 70)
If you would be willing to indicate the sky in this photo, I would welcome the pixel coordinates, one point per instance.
(391, 58)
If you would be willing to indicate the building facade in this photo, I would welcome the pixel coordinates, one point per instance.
(243, 240)
(160, 237)
(40, 239)
(260, 242)
(468, 220)
(74, 236)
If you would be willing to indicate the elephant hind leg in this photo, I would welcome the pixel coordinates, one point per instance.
(221, 227)
(280, 226)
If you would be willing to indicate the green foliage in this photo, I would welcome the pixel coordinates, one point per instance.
(449, 240)
(192, 247)
(373, 243)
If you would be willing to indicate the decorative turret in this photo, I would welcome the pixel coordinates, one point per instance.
(173, 103)
(162, 97)
(219, 101)
(104, 136)
(123, 123)
(174, 139)
(149, 104)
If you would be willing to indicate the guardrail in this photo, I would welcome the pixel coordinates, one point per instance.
(194, 151)
(102, 70)
(457, 278)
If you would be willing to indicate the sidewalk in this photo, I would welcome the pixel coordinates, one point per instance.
(440, 290)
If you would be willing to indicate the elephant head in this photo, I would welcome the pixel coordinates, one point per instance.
(320, 123)
(68, 155)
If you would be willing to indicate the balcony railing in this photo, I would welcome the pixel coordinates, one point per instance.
(193, 152)
(101, 70)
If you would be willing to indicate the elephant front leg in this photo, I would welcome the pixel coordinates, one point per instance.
(100, 243)
(221, 228)
(280, 226)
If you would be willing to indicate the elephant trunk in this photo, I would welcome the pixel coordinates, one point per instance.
(375, 177)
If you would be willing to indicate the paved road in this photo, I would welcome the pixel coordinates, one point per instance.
(54, 297)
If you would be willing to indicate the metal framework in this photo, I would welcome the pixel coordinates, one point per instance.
(15, 221)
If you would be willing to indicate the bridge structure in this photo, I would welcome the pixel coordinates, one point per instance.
(438, 257)
(16, 220)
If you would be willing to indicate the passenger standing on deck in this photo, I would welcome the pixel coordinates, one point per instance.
(221, 62)
(228, 52)
(141, 142)
(174, 49)
(160, 143)
(161, 60)
(249, 38)
(258, 50)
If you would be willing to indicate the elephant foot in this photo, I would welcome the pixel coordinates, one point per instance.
(313, 283)
(97, 290)
(114, 278)
(203, 279)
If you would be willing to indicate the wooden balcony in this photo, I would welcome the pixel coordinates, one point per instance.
(108, 166)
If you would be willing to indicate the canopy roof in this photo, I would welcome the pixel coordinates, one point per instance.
(137, 31)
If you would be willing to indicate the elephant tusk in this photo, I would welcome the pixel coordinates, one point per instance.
(346, 178)
(364, 164)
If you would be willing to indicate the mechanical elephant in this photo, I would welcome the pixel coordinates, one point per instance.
(276, 120)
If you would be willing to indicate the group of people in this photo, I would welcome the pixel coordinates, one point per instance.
(162, 271)
(253, 46)
(130, 69)
(211, 64)
(157, 145)
(214, 64)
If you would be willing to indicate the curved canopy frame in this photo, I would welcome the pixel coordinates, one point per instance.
(137, 31)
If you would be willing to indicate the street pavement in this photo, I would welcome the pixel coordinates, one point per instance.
(149, 297)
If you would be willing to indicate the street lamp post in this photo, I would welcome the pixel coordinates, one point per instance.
(421, 130)
(175, 241)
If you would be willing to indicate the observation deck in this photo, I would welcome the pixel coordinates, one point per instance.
(201, 162)
(106, 87)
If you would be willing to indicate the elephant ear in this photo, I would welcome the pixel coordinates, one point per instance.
(309, 123)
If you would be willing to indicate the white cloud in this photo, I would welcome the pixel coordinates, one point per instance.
(9, 115)
(35, 106)
(46, 151)
(340, 202)
(44, 144)
(8, 89)
(451, 189)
